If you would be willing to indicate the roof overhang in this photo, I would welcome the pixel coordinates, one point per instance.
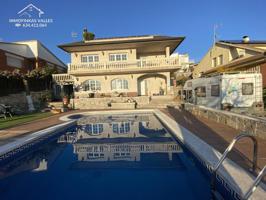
(145, 45)
(245, 62)
(241, 46)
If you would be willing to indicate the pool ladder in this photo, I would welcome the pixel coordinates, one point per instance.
(254, 166)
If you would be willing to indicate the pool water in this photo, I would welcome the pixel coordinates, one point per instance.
(107, 157)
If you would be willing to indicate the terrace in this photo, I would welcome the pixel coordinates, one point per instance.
(138, 65)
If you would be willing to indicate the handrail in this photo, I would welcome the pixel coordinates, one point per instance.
(229, 148)
(255, 184)
(137, 64)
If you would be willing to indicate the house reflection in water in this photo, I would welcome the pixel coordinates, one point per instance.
(122, 141)
(138, 138)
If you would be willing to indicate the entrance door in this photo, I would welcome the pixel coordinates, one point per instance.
(143, 87)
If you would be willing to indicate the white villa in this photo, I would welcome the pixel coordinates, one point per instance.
(138, 67)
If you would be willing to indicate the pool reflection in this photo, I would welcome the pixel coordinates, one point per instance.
(116, 139)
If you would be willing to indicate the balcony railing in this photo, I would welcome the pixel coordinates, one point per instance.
(127, 66)
(63, 78)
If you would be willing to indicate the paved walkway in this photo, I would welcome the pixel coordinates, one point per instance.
(217, 135)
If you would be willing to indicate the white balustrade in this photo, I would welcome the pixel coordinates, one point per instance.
(62, 78)
(135, 65)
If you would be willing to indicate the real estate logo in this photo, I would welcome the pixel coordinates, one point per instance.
(30, 17)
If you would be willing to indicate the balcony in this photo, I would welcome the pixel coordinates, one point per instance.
(63, 79)
(137, 66)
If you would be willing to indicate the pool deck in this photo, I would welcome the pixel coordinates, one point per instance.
(10, 134)
(217, 135)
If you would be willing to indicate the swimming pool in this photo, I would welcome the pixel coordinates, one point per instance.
(106, 156)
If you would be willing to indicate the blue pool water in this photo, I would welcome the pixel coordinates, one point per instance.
(107, 157)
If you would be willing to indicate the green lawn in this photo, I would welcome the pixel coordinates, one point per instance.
(21, 119)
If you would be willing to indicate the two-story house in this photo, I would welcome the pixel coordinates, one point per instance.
(122, 66)
(234, 56)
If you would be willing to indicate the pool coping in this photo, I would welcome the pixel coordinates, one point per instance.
(18, 142)
(238, 179)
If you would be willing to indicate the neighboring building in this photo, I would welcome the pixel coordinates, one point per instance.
(27, 55)
(130, 66)
(234, 56)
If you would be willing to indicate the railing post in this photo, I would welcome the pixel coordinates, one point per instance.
(255, 184)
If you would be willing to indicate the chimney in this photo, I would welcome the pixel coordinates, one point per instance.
(245, 39)
(87, 35)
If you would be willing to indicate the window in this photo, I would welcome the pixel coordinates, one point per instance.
(112, 57)
(215, 90)
(201, 91)
(94, 129)
(247, 88)
(91, 85)
(89, 58)
(118, 57)
(14, 61)
(214, 62)
(220, 60)
(119, 84)
(121, 128)
(124, 56)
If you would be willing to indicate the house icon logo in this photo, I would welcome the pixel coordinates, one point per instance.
(30, 17)
(30, 11)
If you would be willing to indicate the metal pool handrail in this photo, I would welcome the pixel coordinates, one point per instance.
(255, 184)
(229, 148)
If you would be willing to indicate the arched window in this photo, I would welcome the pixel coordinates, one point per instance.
(119, 84)
(91, 85)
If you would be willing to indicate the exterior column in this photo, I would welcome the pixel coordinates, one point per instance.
(168, 85)
(167, 52)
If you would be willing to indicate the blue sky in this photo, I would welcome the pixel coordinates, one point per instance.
(193, 19)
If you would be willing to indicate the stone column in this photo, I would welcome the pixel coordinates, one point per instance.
(167, 52)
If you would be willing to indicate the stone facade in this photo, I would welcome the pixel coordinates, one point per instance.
(104, 103)
(244, 123)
